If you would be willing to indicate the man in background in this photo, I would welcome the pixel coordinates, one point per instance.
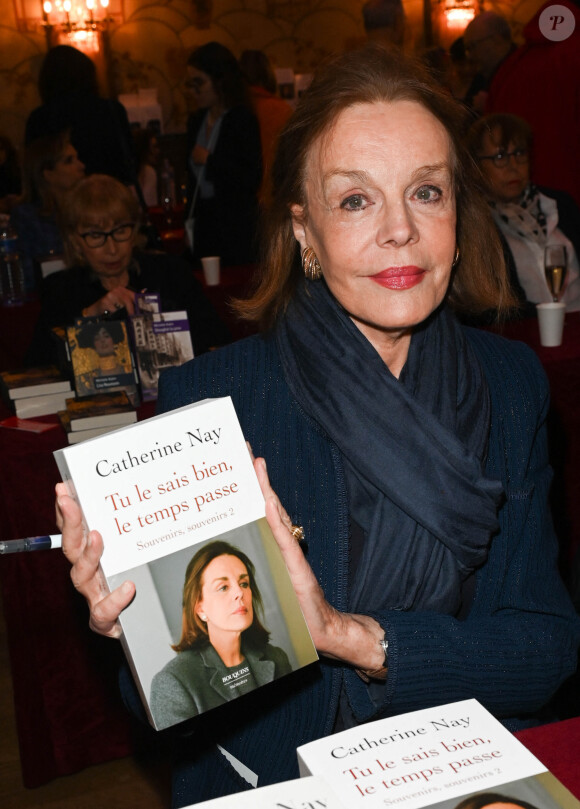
(488, 42)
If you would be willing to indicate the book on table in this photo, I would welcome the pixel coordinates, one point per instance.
(44, 405)
(176, 497)
(436, 757)
(101, 357)
(160, 340)
(31, 382)
(102, 410)
(454, 756)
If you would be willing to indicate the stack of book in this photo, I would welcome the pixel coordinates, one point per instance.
(35, 392)
(93, 416)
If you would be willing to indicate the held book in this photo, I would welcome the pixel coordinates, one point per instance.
(436, 757)
(181, 513)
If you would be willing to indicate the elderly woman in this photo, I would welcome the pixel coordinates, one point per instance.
(106, 269)
(223, 640)
(528, 217)
(224, 157)
(429, 565)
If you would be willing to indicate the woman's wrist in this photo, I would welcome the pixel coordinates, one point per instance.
(355, 639)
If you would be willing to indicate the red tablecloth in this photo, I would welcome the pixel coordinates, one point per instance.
(558, 748)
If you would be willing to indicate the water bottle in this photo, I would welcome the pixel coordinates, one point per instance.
(167, 189)
(11, 272)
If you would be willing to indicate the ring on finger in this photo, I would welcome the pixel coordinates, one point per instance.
(297, 532)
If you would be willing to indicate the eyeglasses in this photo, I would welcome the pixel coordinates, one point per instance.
(476, 43)
(97, 238)
(501, 159)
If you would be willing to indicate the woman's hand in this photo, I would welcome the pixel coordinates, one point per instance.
(343, 636)
(118, 298)
(84, 554)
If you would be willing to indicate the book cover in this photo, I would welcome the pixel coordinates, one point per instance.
(33, 382)
(161, 340)
(437, 757)
(181, 513)
(40, 405)
(101, 357)
(102, 410)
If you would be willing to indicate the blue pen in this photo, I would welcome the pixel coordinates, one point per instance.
(44, 543)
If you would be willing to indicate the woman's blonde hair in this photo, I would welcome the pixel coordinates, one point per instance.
(366, 76)
(97, 201)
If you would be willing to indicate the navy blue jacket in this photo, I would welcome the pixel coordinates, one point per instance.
(519, 640)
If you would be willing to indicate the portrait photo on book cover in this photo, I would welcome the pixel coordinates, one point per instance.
(100, 356)
(217, 622)
(542, 791)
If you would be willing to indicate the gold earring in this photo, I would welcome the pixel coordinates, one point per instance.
(311, 265)
(456, 258)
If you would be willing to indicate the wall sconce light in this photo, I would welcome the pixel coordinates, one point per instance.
(458, 14)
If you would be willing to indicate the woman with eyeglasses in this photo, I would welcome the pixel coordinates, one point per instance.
(528, 217)
(100, 218)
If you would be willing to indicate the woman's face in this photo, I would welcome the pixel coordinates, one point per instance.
(226, 597)
(67, 172)
(380, 215)
(104, 343)
(507, 182)
(201, 87)
(113, 257)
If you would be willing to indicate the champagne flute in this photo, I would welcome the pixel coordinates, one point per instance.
(555, 265)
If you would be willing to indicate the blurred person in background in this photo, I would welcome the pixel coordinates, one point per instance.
(224, 158)
(272, 111)
(99, 127)
(10, 178)
(51, 168)
(100, 221)
(488, 42)
(528, 217)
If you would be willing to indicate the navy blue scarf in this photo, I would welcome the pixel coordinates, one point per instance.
(414, 449)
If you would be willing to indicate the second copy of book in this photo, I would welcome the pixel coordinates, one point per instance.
(436, 757)
(181, 513)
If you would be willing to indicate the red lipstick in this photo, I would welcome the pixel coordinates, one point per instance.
(399, 277)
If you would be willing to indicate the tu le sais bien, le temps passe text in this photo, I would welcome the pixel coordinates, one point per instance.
(123, 502)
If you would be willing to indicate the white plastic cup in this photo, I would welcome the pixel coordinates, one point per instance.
(211, 270)
(551, 323)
